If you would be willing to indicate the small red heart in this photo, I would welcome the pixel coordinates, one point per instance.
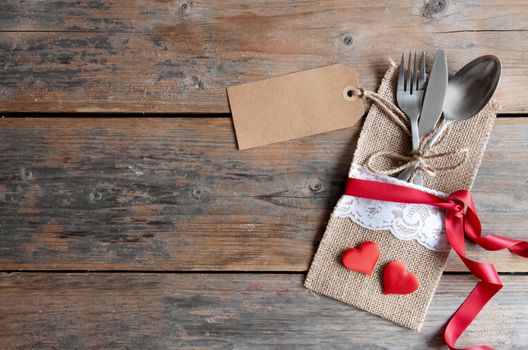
(397, 280)
(363, 258)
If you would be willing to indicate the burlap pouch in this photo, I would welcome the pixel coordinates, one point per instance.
(329, 277)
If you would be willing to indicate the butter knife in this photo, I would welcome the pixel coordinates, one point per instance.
(434, 94)
(433, 103)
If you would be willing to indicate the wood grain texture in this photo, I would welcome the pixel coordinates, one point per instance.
(176, 195)
(179, 56)
(230, 311)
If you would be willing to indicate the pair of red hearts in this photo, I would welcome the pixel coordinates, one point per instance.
(396, 280)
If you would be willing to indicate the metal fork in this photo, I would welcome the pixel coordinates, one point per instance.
(409, 95)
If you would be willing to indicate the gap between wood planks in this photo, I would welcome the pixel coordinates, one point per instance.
(216, 272)
(149, 33)
(21, 115)
(15, 115)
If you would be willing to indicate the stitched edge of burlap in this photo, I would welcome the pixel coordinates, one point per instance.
(329, 277)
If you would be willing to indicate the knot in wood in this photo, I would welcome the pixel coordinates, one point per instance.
(96, 196)
(185, 8)
(435, 8)
(26, 173)
(197, 193)
(347, 40)
(315, 186)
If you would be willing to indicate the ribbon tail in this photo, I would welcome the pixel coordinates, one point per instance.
(457, 226)
(495, 242)
(520, 249)
(467, 312)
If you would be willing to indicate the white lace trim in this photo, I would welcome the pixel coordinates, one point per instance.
(419, 222)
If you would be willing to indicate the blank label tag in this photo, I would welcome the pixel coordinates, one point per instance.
(294, 105)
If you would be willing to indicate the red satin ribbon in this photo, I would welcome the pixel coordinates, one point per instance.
(460, 220)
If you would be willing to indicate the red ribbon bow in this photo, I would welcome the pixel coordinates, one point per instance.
(460, 220)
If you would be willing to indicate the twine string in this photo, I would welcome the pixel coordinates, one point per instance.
(389, 108)
(421, 159)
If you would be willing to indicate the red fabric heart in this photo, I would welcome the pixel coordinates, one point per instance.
(363, 258)
(397, 280)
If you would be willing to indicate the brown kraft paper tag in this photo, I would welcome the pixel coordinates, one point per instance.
(294, 105)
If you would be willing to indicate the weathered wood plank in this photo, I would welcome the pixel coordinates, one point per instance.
(179, 56)
(176, 194)
(219, 311)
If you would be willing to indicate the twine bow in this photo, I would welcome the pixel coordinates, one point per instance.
(421, 159)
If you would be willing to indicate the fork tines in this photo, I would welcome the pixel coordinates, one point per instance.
(413, 79)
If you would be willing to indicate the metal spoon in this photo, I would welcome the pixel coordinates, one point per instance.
(468, 92)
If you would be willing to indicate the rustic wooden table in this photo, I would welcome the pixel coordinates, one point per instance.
(154, 232)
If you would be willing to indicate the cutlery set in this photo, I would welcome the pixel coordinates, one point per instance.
(457, 99)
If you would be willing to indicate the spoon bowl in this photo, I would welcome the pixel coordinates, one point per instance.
(468, 92)
(471, 88)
